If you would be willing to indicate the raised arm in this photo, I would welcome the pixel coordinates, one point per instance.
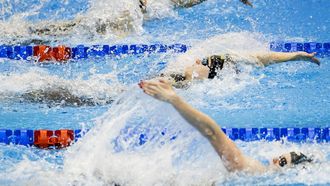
(227, 150)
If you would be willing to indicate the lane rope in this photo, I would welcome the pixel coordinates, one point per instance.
(65, 137)
(61, 53)
(321, 49)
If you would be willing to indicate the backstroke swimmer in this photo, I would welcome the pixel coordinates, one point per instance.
(210, 67)
(95, 21)
(207, 68)
(232, 157)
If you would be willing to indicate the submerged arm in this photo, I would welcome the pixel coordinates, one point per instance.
(54, 28)
(187, 4)
(227, 150)
(190, 3)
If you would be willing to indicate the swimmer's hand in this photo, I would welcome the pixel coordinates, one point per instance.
(247, 2)
(309, 57)
(159, 89)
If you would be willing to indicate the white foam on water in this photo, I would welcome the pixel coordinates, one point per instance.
(110, 152)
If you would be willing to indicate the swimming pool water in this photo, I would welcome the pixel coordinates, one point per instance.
(294, 94)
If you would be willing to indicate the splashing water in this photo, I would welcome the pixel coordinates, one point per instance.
(172, 153)
(106, 155)
(102, 21)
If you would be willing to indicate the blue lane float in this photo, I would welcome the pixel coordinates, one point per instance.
(322, 49)
(28, 137)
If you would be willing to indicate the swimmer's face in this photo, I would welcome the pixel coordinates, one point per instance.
(282, 161)
(197, 71)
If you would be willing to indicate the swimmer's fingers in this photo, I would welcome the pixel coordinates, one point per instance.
(152, 88)
(155, 92)
(311, 57)
(153, 82)
(150, 93)
(166, 84)
(308, 57)
(314, 59)
(150, 83)
(159, 90)
(144, 84)
(161, 85)
(165, 81)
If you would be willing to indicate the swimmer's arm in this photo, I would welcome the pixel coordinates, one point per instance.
(227, 150)
(53, 28)
(187, 4)
(190, 3)
(269, 58)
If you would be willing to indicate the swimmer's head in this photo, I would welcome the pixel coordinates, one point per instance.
(290, 159)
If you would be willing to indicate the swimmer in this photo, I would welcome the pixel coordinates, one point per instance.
(190, 3)
(207, 68)
(124, 21)
(61, 96)
(232, 157)
(211, 67)
(96, 22)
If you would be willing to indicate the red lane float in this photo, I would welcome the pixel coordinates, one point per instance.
(42, 52)
(46, 53)
(49, 138)
(64, 138)
(61, 53)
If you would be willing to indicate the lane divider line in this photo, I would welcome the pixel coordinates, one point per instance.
(61, 53)
(62, 138)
